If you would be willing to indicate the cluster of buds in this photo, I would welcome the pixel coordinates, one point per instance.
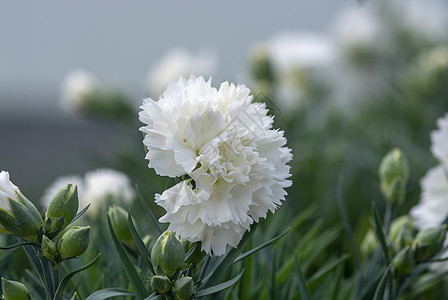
(13, 290)
(19, 217)
(394, 175)
(168, 258)
(59, 244)
(412, 249)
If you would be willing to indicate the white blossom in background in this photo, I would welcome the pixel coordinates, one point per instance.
(177, 62)
(97, 188)
(60, 183)
(294, 57)
(358, 28)
(76, 85)
(103, 185)
(225, 143)
(426, 19)
(7, 191)
(433, 207)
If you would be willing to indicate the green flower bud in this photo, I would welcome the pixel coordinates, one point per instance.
(261, 67)
(370, 243)
(167, 254)
(402, 232)
(13, 290)
(404, 262)
(197, 254)
(161, 284)
(183, 288)
(74, 242)
(63, 206)
(394, 175)
(119, 220)
(429, 242)
(49, 249)
(19, 216)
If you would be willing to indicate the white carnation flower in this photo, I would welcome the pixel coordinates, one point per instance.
(439, 139)
(104, 185)
(433, 207)
(76, 85)
(58, 184)
(225, 143)
(180, 62)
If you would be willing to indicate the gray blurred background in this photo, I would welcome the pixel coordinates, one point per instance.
(119, 41)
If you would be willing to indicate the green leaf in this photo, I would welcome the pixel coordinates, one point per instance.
(154, 296)
(144, 252)
(319, 275)
(219, 287)
(108, 293)
(224, 263)
(78, 215)
(190, 252)
(128, 266)
(148, 211)
(252, 251)
(381, 288)
(380, 234)
(304, 291)
(348, 228)
(66, 279)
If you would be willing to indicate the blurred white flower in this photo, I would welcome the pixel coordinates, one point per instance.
(60, 183)
(427, 19)
(225, 143)
(357, 29)
(97, 188)
(105, 185)
(439, 139)
(295, 58)
(177, 62)
(76, 85)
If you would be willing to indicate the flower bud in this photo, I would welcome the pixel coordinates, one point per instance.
(161, 284)
(404, 262)
(64, 204)
(18, 215)
(429, 242)
(402, 232)
(167, 254)
(49, 249)
(13, 290)
(394, 175)
(74, 242)
(370, 243)
(119, 220)
(183, 288)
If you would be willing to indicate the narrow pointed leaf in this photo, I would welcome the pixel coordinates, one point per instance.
(319, 275)
(258, 248)
(78, 215)
(127, 265)
(380, 234)
(304, 290)
(66, 279)
(381, 288)
(108, 293)
(144, 252)
(219, 287)
(148, 211)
